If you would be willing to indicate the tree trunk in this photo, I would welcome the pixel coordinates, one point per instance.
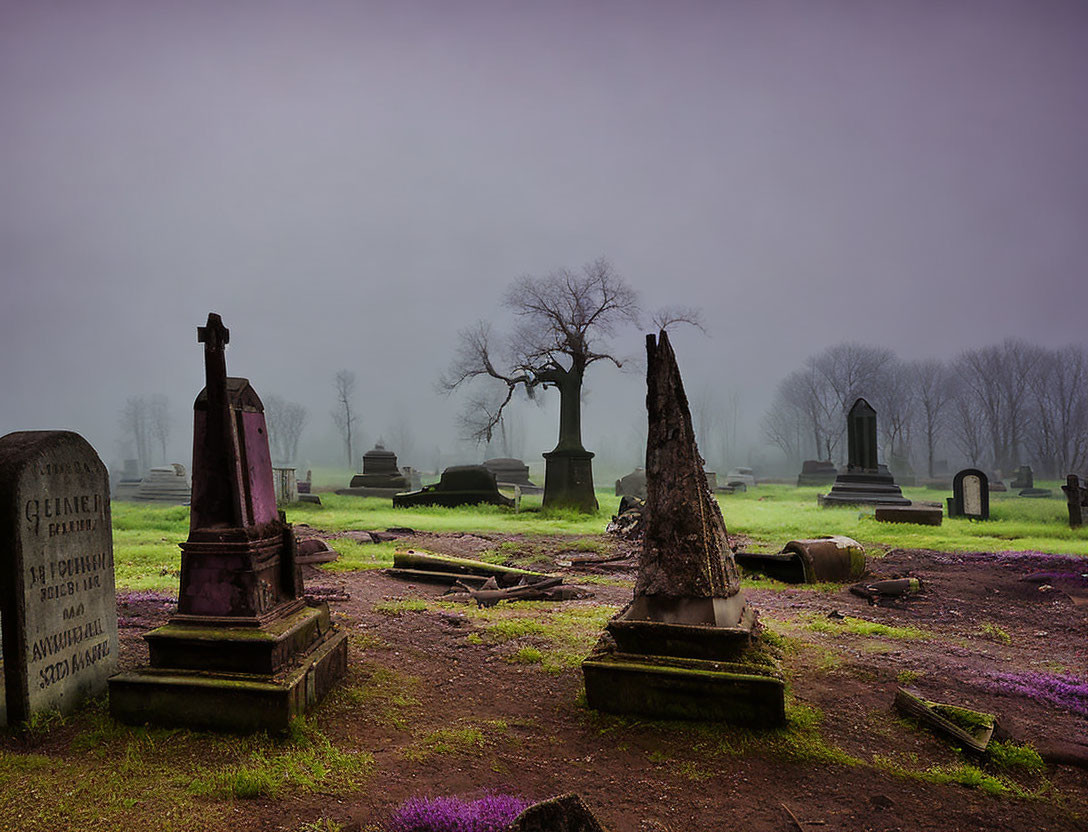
(570, 411)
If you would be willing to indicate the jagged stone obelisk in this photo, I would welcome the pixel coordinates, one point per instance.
(682, 646)
(244, 651)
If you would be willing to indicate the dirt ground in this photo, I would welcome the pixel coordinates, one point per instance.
(977, 613)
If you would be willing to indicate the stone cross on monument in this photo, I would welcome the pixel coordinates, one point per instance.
(244, 650)
(213, 505)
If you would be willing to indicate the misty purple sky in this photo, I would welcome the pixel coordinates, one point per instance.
(350, 183)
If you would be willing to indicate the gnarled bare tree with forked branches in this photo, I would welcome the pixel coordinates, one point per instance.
(562, 323)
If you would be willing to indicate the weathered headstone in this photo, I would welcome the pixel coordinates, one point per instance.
(380, 477)
(632, 485)
(127, 481)
(58, 610)
(164, 484)
(286, 484)
(1024, 478)
(689, 616)
(865, 481)
(970, 495)
(817, 472)
(459, 485)
(510, 472)
(244, 651)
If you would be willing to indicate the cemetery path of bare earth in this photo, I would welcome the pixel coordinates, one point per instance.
(457, 701)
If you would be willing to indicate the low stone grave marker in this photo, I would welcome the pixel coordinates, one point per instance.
(970, 495)
(58, 610)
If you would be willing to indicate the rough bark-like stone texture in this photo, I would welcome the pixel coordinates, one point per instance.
(685, 552)
(566, 813)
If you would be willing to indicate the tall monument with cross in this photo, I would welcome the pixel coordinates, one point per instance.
(244, 651)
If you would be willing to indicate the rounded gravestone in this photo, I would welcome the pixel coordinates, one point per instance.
(380, 461)
(58, 609)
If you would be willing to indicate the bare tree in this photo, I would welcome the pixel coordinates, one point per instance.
(135, 430)
(783, 427)
(561, 321)
(402, 438)
(997, 379)
(969, 427)
(343, 415)
(1058, 421)
(933, 392)
(158, 415)
(893, 398)
(286, 421)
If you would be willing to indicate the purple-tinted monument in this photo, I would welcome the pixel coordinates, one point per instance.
(244, 651)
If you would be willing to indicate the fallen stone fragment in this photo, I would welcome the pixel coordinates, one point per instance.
(894, 588)
(566, 813)
(835, 558)
(969, 728)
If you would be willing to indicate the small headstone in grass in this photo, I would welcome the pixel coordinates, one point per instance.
(164, 484)
(632, 485)
(127, 481)
(510, 472)
(57, 604)
(460, 485)
(1025, 478)
(970, 495)
(817, 472)
(380, 477)
(285, 481)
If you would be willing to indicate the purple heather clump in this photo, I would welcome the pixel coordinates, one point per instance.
(1068, 578)
(146, 596)
(491, 813)
(1063, 690)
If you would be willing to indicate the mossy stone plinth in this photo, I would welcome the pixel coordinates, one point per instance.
(568, 481)
(235, 702)
(671, 688)
(260, 650)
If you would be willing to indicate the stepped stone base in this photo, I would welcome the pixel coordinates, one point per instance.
(235, 702)
(865, 488)
(676, 688)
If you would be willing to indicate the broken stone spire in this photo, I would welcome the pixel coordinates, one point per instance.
(685, 553)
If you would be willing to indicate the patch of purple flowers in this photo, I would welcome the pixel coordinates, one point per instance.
(1069, 578)
(491, 813)
(1025, 557)
(146, 596)
(1063, 690)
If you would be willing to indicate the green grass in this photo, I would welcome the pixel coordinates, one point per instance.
(356, 556)
(563, 634)
(146, 537)
(860, 627)
(112, 776)
(1012, 756)
(343, 513)
(375, 694)
(399, 606)
(775, 514)
(994, 633)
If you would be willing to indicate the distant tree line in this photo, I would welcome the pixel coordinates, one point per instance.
(144, 425)
(996, 407)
